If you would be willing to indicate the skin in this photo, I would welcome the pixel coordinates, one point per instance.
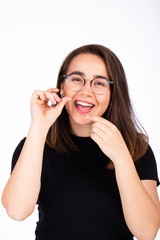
(139, 199)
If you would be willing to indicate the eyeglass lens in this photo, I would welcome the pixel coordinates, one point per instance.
(76, 83)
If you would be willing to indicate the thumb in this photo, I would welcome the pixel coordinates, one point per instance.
(61, 104)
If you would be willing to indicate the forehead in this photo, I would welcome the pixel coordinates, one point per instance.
(89, 64)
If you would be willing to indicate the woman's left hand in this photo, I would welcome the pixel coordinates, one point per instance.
(108, 138)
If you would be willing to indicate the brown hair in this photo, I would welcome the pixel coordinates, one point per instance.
(119, 112)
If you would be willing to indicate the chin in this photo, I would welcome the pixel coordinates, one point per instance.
(80, 120)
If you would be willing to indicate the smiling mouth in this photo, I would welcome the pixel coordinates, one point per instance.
(83, 107)
(83, 104)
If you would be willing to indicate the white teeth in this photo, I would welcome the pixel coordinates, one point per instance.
(84, 104)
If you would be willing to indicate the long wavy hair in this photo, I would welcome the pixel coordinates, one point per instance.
(119, 112)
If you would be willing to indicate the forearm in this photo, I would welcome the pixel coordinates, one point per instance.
(140, 212)
(22, 189)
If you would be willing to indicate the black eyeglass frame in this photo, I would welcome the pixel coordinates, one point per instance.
(108, 81)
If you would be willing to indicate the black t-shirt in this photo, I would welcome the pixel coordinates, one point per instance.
(79, 197)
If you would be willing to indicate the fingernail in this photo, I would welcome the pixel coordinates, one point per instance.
(58, 99)
(53, 101)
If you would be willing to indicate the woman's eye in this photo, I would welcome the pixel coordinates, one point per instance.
(76, 80)
(99, 84)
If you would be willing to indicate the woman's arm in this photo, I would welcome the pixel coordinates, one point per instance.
(139, 199)
(22, 189)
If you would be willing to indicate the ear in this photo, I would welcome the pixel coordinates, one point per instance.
(61, 90)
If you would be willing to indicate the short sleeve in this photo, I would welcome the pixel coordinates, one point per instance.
(146, 166)
(17, 153)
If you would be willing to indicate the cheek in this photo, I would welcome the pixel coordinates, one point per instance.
(103, 101)
(67, 92)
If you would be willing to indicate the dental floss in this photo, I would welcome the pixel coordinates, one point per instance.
(86, 114)
(50, 104)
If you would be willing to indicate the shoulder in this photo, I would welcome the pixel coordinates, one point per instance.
(19, 147)
(16, 153)
(146, 166)
(148, 159)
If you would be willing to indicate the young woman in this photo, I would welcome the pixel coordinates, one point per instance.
(85, 161)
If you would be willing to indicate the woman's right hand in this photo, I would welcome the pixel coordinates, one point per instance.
(41, 112)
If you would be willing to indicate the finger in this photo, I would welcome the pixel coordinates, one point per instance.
(61, 104)
(101, 126)
(97, 139)
(38, 95)
(43, 97)
(52, 90)
(97, 119)
(53, 97)
(99, 132)
(101, 120)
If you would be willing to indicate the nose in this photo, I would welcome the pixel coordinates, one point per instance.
(87, 89)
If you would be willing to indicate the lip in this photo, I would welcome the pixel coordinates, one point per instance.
(81, 110)
(84, 101)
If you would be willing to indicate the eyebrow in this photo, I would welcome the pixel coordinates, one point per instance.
(82, 74)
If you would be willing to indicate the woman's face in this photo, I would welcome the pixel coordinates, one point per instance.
(89, 65)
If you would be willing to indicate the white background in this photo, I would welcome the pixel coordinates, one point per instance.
(35, 36)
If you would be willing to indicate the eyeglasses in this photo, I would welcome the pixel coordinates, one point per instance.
(76, 82)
